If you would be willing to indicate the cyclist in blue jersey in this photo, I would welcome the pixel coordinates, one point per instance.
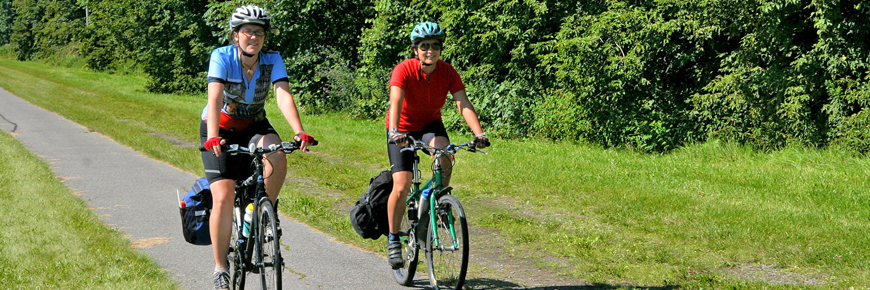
(239, 78)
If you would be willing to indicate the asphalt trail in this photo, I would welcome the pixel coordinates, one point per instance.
(103, 172)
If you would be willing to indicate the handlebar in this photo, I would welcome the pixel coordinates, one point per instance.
(449, 150)
(233, 149)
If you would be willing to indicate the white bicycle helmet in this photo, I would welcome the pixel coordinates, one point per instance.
(250, 14)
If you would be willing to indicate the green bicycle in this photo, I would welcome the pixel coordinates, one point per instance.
(445, 241)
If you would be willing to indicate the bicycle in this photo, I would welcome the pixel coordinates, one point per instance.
(445, 245)
(260, 253)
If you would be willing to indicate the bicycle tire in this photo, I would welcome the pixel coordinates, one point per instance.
(269, 258)
(447, 264)
(234, 257)
(410, 253)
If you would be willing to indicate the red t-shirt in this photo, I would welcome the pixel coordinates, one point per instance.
(424, 94)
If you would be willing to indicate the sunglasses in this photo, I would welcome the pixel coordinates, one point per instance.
(250, 33)
(434, 46)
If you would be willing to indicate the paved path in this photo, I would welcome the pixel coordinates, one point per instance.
(103, 173)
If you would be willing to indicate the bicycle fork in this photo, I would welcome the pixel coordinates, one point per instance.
(448, 218)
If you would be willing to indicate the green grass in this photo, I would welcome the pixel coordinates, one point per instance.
(709, 215)
(51, 240)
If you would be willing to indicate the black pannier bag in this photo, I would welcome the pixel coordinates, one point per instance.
(369, 215)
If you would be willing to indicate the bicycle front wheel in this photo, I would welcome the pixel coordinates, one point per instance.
(235, 258)
(447, 245)
(269, 259)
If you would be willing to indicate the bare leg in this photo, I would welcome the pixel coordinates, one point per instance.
(275, 170)
(221, 220)
(446, 164)
(396, 203)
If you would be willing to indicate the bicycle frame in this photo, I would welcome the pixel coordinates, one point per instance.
(437, 190)
(439, 217)
(241, 200)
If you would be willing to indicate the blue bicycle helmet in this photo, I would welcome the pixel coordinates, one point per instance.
(427, 30)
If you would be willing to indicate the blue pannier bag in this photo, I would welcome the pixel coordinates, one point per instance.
(195, 210)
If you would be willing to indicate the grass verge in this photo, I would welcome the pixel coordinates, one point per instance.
(709, 215)
(51, 240)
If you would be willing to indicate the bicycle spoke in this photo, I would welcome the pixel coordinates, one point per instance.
(410, 252)
(270, 261)
(447, 248)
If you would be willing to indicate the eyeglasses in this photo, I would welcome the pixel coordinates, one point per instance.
(434, 46)
(250, 33)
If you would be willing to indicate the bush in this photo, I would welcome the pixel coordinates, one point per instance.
(646, 75)
(382, 45)
(24, 27)
(7, 18)
(332, 87)
(559, 117)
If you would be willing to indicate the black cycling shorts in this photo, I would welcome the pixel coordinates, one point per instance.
(238, 166)
(404, 161)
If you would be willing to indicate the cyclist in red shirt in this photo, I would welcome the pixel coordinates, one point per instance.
(418, 89)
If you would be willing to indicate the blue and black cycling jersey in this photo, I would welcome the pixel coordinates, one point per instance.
(244, 99)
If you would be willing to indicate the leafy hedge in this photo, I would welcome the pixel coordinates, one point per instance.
(648, 75)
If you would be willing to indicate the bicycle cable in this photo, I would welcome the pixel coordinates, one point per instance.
(450, 159)
(270, 164)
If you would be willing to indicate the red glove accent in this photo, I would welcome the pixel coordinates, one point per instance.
(305, 137)
(210, 143)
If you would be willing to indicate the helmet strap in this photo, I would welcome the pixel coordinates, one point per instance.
(240, 47)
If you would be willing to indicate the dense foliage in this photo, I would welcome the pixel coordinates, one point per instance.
(648, 75)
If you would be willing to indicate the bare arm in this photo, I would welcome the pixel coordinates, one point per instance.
(466, 109)
(215, 103)
(288, 109)
(397, 97)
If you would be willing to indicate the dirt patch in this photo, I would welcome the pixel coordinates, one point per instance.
(147, 243)
(309, 187)
(503, 270)
(770, 274)
(175, 141)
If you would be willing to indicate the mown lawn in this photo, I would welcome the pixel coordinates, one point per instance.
(712, 215)
(51, 240)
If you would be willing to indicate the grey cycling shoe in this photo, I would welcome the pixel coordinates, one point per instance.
(221, 280)
(395, 255)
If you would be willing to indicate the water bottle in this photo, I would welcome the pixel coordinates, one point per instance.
(423, 202)
(249, 212)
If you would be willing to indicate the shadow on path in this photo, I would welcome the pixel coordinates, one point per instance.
(492, 284)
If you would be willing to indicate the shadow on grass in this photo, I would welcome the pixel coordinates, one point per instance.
(492, 284)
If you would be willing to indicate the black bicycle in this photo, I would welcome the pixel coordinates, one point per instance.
(257, 254)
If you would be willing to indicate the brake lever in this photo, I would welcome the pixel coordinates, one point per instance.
(233, 149)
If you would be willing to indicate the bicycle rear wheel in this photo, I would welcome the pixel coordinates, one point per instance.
(270, 262)
(410, 253)
(447, 245)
